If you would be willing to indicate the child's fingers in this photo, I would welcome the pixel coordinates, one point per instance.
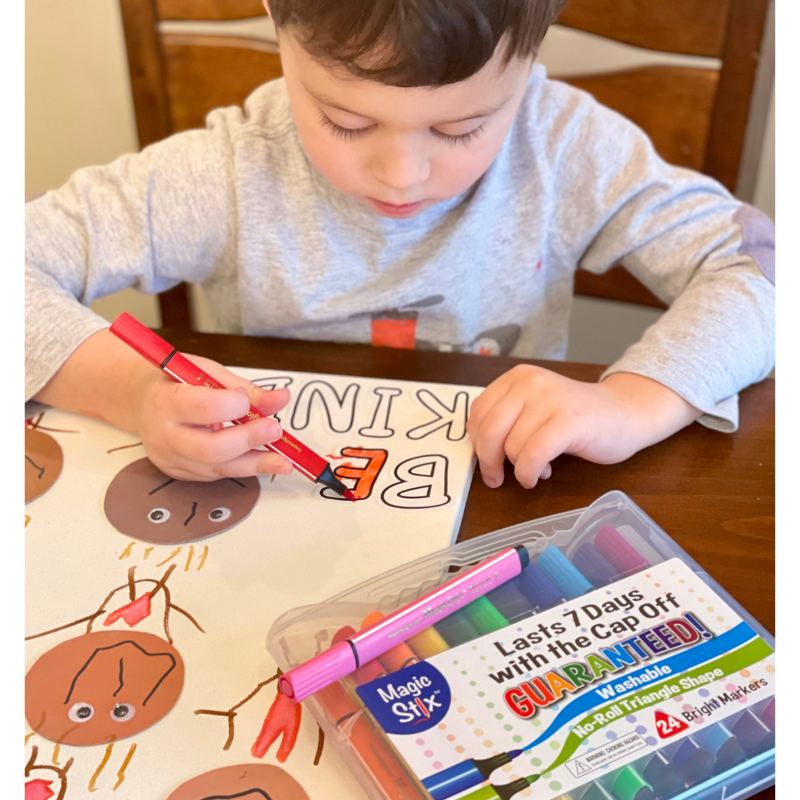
(199, 405)
(255, 462)
(269, 403)
(490, 438)
(205, 446)
(484, 403)
(548, 442)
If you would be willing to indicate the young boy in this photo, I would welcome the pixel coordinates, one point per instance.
(411, 152)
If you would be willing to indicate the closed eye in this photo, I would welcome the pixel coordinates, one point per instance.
(461, 138)
(346, 134)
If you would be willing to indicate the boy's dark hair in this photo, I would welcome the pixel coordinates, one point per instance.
(415, 42)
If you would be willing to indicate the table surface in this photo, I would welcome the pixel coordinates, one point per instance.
(714, 493)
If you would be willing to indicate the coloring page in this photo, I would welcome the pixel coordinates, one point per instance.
(148, 600)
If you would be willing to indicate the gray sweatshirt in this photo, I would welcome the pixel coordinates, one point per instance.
(239, 208)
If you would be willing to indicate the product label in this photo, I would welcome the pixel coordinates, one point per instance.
(577, 690)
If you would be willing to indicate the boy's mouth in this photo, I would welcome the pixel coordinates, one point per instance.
(392, 210)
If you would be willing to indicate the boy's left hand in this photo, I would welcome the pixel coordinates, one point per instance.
(532, 415)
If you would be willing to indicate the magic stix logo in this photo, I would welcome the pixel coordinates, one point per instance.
(409, 701)
(548, 688)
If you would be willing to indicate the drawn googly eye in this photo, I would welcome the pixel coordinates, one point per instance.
(158, 515)
(219, 514)
(81, 712)
(122, 712)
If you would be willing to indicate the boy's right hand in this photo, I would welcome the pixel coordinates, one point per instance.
(181, 425)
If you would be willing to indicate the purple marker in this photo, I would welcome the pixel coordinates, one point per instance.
(694, 763)
(594, 565)
(751, 732)
(346, 656)
(613, 545)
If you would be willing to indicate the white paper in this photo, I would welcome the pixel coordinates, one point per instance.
(295, 548)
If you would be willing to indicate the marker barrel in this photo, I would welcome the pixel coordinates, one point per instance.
(465, 775)
(376, 640)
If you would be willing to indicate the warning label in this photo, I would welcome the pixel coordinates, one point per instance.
(601, 756)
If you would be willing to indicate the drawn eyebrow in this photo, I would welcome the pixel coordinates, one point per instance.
(159, 488)
(119, 644)
(237, 482)
(120, 679)
(259, 792)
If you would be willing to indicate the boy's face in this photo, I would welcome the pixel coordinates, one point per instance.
(400, 150)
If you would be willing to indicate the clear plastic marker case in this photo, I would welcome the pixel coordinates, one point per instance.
(627, 674)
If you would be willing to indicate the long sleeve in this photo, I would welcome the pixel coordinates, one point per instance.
(708, 256)
(149, 221)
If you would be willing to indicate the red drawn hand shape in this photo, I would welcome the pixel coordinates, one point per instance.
(39, 789)
(283, 717)
(132, 613)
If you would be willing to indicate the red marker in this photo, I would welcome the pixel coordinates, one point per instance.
(167, 358)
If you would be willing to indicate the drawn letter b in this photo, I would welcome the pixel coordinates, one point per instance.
(421, 483)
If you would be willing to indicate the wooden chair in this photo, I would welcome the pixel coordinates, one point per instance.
(177, 78)
(696, 117)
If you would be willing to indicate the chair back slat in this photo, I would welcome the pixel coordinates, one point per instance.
(740, 60)
(689, 27)
(672, 105)
(211, 10)
(207, 72)
(146, 67)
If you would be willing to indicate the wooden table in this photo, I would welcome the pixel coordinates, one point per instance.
(714, 493)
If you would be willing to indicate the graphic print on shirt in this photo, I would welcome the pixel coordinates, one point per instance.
(397, 327)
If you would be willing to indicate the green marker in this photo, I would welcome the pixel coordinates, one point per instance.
(504, 792)
(630, 785)
(484, 616)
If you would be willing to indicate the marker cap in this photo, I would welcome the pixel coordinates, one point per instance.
(322, 671)
(559, 569)
(610, 542)
(594, 565)
(539, 589)
(141, 339)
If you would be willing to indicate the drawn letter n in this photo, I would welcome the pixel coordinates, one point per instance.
(339, 411)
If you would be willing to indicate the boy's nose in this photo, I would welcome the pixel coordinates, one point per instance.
(400, 168)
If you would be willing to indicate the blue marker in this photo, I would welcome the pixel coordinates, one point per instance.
(562, 573)
(538, 588)
(465, 775)
(724, 748)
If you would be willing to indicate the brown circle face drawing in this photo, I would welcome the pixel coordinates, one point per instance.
(43, 462)
(144, 503)
(243, 782)
(102, 686)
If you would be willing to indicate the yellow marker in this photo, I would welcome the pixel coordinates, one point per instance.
(428, 643)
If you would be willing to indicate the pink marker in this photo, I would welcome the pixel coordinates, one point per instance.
(346, 656)
(613, 545)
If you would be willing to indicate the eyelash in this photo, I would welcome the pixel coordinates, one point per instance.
(348, 134)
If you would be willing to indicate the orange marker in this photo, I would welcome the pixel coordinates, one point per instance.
(373, 749)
